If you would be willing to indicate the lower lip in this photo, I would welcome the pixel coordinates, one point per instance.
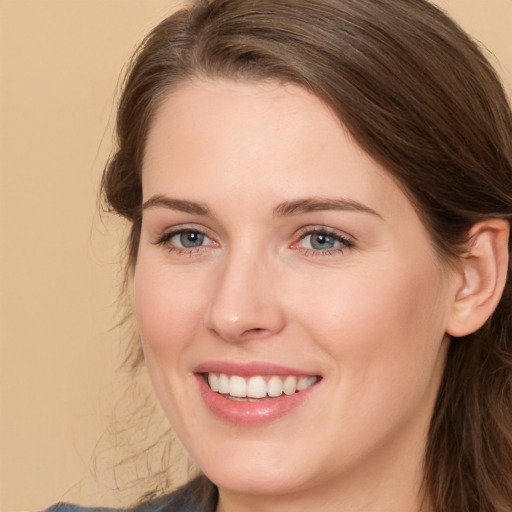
(257, 412)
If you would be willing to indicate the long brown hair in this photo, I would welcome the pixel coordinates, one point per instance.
(418, 95)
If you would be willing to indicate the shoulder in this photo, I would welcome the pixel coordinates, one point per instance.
(160, 505)
(165, 503)
(199, 495)
(68, 507)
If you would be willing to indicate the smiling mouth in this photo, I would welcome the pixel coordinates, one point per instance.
(257, 387)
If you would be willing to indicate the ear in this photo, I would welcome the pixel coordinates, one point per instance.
(483, 272)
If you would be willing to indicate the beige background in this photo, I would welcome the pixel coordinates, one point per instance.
(59, 273)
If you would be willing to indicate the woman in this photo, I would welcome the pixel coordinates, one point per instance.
(320, 200)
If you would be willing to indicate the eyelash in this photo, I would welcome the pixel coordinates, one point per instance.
(344, 242)
(186, 251)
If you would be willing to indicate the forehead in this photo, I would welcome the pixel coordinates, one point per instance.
(251, 113)
(256, 142)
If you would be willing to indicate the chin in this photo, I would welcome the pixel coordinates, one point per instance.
(257, 467)
(257, 480)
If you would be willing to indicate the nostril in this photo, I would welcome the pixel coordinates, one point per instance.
(255, 332)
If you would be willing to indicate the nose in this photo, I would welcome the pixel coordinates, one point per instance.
(245, 300)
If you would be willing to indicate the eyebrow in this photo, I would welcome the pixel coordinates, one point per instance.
(284, 209)
(175, 204)
(300, 206)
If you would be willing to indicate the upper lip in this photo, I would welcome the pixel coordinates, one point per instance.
(249, 369)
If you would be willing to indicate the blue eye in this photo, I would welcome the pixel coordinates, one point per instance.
(322, 241)
(188, 239)
(185, 241)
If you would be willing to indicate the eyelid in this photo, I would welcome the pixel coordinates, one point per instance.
(320, 228)
(165, 237)
(346, 241)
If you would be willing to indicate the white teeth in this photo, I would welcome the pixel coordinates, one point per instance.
(290, 385)
(213, 381)
(223, 384)
(305, 382)
(258, 386)
(275, 386)
(237, 386)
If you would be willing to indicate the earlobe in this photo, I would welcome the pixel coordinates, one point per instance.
(483, 272)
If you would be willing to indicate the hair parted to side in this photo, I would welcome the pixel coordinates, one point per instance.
(418, 95)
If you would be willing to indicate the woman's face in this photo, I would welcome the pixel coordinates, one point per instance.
(277, 258)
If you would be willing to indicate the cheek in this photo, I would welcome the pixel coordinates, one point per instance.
(168, 307)
(380, 328)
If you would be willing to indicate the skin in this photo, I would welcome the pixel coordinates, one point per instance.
(369, 315)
